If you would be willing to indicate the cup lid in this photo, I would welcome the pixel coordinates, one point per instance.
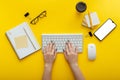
(81, 7)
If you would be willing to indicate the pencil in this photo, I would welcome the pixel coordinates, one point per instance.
(90, 19)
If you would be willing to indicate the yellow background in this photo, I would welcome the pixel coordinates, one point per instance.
(61, 18)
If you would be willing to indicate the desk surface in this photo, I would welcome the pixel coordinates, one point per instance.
(61, 18)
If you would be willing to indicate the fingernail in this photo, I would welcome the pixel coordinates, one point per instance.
(51, 41)
(66, 42)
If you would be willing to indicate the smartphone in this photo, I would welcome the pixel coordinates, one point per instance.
(105, 29)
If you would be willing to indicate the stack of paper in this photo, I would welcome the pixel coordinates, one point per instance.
(90, 20)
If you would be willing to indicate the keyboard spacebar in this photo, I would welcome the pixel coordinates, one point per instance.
(61, 50)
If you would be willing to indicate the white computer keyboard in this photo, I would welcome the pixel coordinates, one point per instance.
(61, 39)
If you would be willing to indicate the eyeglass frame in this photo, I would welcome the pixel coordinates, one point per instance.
(36, 19)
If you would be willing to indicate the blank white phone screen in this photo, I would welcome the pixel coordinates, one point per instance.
(105, 29)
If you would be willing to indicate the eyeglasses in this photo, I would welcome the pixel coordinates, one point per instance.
(41, 15)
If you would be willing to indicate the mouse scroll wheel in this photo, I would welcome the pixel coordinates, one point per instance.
(91, 46)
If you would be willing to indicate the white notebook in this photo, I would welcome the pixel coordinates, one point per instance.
(23, 40)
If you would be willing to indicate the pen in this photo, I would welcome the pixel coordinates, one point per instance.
(29, 38)
(90, 20)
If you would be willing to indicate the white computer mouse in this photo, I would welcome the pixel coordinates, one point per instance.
(91, 51)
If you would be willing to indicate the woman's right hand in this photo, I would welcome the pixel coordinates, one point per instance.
(71, 53)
